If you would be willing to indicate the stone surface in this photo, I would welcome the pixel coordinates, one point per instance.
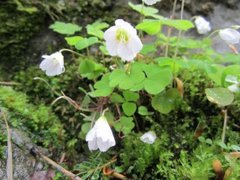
(24, 164)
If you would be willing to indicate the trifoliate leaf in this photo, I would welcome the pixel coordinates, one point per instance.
(166, 101)
(65, 28)
(124, 124)
(73, 40)
(86, 42)
(157, 78)
(90, 69)
(95, 29)
(144, 10)
(102, 87)
(150, 26)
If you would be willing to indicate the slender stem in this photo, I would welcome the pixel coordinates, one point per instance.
(224, 125)
(9, 83)
(169, 32)
(180, 31)
(211, 34)
(48, 85)
(141, 19)
(69, 50)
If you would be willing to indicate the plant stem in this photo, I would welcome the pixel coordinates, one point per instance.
(69, 50)
(224, 125)
(180, 31)
(8, 83)
(170, 29)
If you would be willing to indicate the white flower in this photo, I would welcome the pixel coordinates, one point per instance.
(53, 64)
(149, 137)
(122, 40)
(230, 36)
(202, 25)
(150, 2)
(100, 136)
(235, 86)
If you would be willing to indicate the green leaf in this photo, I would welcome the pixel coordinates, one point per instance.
(65, 28)
(116, 98)
(142, 110)
(148, 48)
(73, 40)
(85, 127)
(217, 75)
(157, 78)
(219, 96)
(86, 42)
(103, 49)
(127, 80)
(129, 108)
(124, 124)
(95, 29)
(166, 101)
(102, 87)
(150, 26)
(130, 96)
(230, 70)
(90, 69)
(183, 25)
(116, 77)
(144, 10)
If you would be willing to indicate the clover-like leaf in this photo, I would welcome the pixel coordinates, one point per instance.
(65, 28)
(124, 124)
(86, 42)
(166, 101)
(129, 108)
(219, 96)
(102, 87)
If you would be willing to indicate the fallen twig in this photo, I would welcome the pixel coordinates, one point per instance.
(9, 150)
(57, 166)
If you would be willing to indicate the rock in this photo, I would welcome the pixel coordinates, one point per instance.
(24, 163)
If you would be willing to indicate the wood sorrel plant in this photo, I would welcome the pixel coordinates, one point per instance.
(136, 80)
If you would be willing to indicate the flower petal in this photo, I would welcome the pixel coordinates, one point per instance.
(202, 25)
(148, 137)
(229, 35)
(53, 64)
(234, 88)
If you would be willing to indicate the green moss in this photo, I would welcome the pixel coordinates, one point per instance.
(38, 120)
(16, 29)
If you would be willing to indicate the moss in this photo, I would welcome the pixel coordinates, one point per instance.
(16, 29)
(38, 120)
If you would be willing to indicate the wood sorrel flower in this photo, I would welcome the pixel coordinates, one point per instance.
(230, 36)
(148, 137)
(53, 64)
(100, 136)
(202, 25)
(150, 2)
(122, 40)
